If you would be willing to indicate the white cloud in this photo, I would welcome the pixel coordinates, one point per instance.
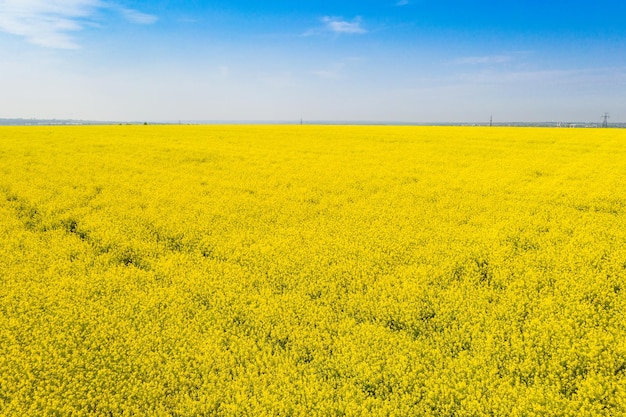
(341, 26)
(402, 3)
(50, 23)
(137, 17)
(574, 79)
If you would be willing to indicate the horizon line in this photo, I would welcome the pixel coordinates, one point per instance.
(68, 121)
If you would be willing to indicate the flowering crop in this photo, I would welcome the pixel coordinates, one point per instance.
(312, 271)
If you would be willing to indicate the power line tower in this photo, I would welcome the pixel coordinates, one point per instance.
(605, 120)
(491, 121)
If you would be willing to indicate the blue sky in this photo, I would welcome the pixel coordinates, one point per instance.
(398, 60)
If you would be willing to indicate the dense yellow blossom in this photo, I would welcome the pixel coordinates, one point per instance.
(312, 271)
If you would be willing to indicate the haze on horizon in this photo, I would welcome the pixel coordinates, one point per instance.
(398, 60)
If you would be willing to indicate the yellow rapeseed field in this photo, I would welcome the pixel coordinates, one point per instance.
(312, 271)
